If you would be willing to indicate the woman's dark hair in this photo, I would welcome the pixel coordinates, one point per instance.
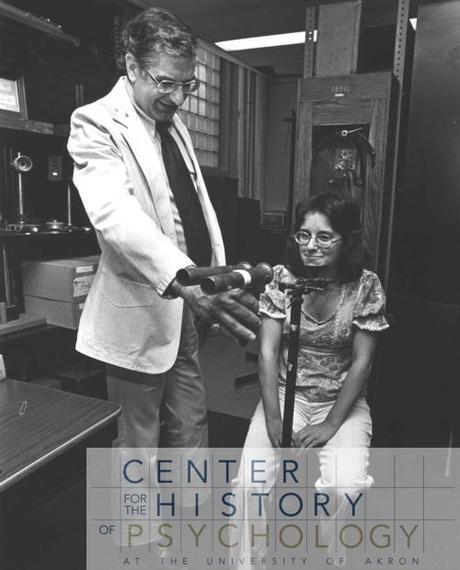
(155, 31)
(343, 215)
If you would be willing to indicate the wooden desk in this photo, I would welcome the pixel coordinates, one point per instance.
(37, 424)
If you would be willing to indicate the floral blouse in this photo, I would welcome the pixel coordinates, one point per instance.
(325, 347)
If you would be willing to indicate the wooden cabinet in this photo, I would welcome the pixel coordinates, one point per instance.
(331, 104)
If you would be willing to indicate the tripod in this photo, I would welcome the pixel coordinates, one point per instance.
(296, 292)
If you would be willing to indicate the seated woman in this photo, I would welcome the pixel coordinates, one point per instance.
(336, 347)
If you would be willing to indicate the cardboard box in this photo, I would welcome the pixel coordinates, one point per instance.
(67, 280)
(59, 313)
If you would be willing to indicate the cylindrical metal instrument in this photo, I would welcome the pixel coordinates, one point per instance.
(193, 275)
(239, 279)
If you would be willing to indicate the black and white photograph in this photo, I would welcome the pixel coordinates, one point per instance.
(261, 370)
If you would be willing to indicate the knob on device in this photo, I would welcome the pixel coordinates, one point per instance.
(22, 163)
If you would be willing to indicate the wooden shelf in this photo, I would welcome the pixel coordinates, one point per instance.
(27, 125)
(32, 126)
(28, 19)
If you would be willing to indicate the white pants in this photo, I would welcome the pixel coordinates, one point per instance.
(343, 461)
(354, 433)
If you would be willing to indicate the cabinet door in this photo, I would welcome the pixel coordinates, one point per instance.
(326, 161)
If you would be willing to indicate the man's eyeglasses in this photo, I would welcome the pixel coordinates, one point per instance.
(168, 86)
(323, 239)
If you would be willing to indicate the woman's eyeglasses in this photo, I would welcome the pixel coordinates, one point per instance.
(168, 86)
(323, 239)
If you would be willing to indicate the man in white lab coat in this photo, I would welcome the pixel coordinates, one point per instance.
(143, 190)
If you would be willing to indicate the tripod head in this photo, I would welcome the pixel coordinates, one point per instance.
(304, 286)
(314, 280)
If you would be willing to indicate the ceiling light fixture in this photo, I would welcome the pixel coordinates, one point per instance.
(265, 41)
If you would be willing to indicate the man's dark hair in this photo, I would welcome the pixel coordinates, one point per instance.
(155, 31)
(343, 215)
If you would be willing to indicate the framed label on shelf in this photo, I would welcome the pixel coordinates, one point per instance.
(12, 99)
(274, 220)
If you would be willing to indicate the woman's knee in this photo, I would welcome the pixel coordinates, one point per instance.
(345, 469)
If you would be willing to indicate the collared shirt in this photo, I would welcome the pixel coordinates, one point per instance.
(150, 125)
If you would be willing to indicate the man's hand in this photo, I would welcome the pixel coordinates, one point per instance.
(235, 310)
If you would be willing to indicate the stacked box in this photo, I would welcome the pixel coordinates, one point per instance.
(57, 288)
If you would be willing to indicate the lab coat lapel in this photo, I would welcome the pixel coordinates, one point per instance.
(137, 137)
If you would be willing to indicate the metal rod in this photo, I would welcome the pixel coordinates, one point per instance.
(309, 49)
(20, 198)
(6, 275)
(398, 70)
(291, 376)
(302, 287)
(69, 204)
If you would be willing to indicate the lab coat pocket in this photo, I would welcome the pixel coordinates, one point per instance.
(124, 293)
(117, 313)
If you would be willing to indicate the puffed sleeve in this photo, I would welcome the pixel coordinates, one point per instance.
(369, 309)
(272, 301)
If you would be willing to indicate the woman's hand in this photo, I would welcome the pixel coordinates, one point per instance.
(317, 435)
(275, 433)
(275, 430)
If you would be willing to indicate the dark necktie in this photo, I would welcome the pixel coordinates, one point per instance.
(186, 198)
